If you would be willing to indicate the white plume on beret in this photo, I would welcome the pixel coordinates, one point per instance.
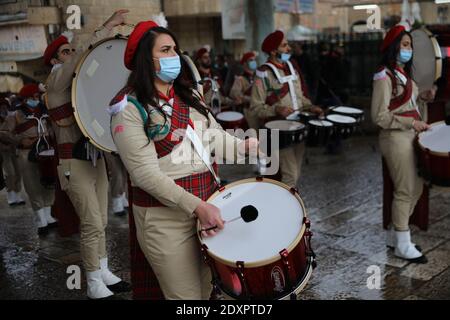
(160, 19)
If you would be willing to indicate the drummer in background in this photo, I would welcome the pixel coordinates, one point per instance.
(170, 188)
(397, 108)
(26, 132)
(82, 171)
(118, 184)
(10, 161)
(271, 100)
(242, 87)
(212, 85)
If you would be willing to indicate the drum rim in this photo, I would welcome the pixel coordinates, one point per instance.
(231, 111)
(357, 112)
(342, 123)
(435, 153)
(282, 130)
(321, 121)
(267, 261)
(437, 51)
(74, 91)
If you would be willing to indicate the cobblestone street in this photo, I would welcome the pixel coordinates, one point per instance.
(343, 197)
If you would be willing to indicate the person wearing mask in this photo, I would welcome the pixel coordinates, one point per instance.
(399, 111)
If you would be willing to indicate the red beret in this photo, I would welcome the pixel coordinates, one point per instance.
(200, 53)
(272, 41)
(247, 56)
(29, 90)
(391, 36)
(51, 49)
(133, 41)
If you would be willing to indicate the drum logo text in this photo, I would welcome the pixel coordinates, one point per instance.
(278, 279)
(227, 196)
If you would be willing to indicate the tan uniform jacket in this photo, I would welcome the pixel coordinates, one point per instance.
(156, 176)
(381, 98)
(7, 137)
(240, 86)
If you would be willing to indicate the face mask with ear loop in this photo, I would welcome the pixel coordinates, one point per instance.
(170, 68)
(284, 56)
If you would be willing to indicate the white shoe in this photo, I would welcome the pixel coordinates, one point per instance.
(41, 220)
(107, 276)
(11, 196)
(125, 200)
(48, 215)
(405, 249)
(96, 288)
(391, 240)
(117, 205)
(18, 197)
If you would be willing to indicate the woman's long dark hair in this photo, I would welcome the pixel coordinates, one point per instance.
(141, 79)
(390, 55)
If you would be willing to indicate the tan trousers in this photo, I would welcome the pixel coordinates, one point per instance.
(169, 241)
(39, 196)
(87, 188)
(117, 175)
(291, 160)
(13, 176)
(398, 149)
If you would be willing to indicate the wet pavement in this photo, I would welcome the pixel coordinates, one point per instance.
(343, 197)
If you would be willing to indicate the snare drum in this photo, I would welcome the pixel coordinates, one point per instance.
(319, 131)
(231, 120)
(355, 113)
(290, 132)
(268, 258)
(343, 125)
(306, 116)
(433, 148)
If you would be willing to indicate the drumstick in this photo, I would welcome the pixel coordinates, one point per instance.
(248, 214)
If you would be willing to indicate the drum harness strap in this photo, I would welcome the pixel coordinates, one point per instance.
(287, 79)
(396, 102)
(190, 133)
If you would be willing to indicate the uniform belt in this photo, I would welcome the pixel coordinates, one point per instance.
(65, 150)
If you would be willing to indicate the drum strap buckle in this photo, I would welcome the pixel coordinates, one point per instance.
(240, 266)
(290, 280)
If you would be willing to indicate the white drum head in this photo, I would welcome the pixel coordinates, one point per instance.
(279, 222)
(100, 75)
(336, 118)
(229, 116)
(285, 125)
(437, 138)
(427, 59)
(320, 123)
(348, 110)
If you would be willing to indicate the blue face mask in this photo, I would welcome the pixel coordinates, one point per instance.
(32, 103)
(252, 65)
(404, 56)
(170, 68)
(284, 56)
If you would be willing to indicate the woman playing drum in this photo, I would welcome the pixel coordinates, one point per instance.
(170, 181)
(397, 109)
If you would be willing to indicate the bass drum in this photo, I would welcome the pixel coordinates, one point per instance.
(268, 258)
(427, 60)
(100, 74)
